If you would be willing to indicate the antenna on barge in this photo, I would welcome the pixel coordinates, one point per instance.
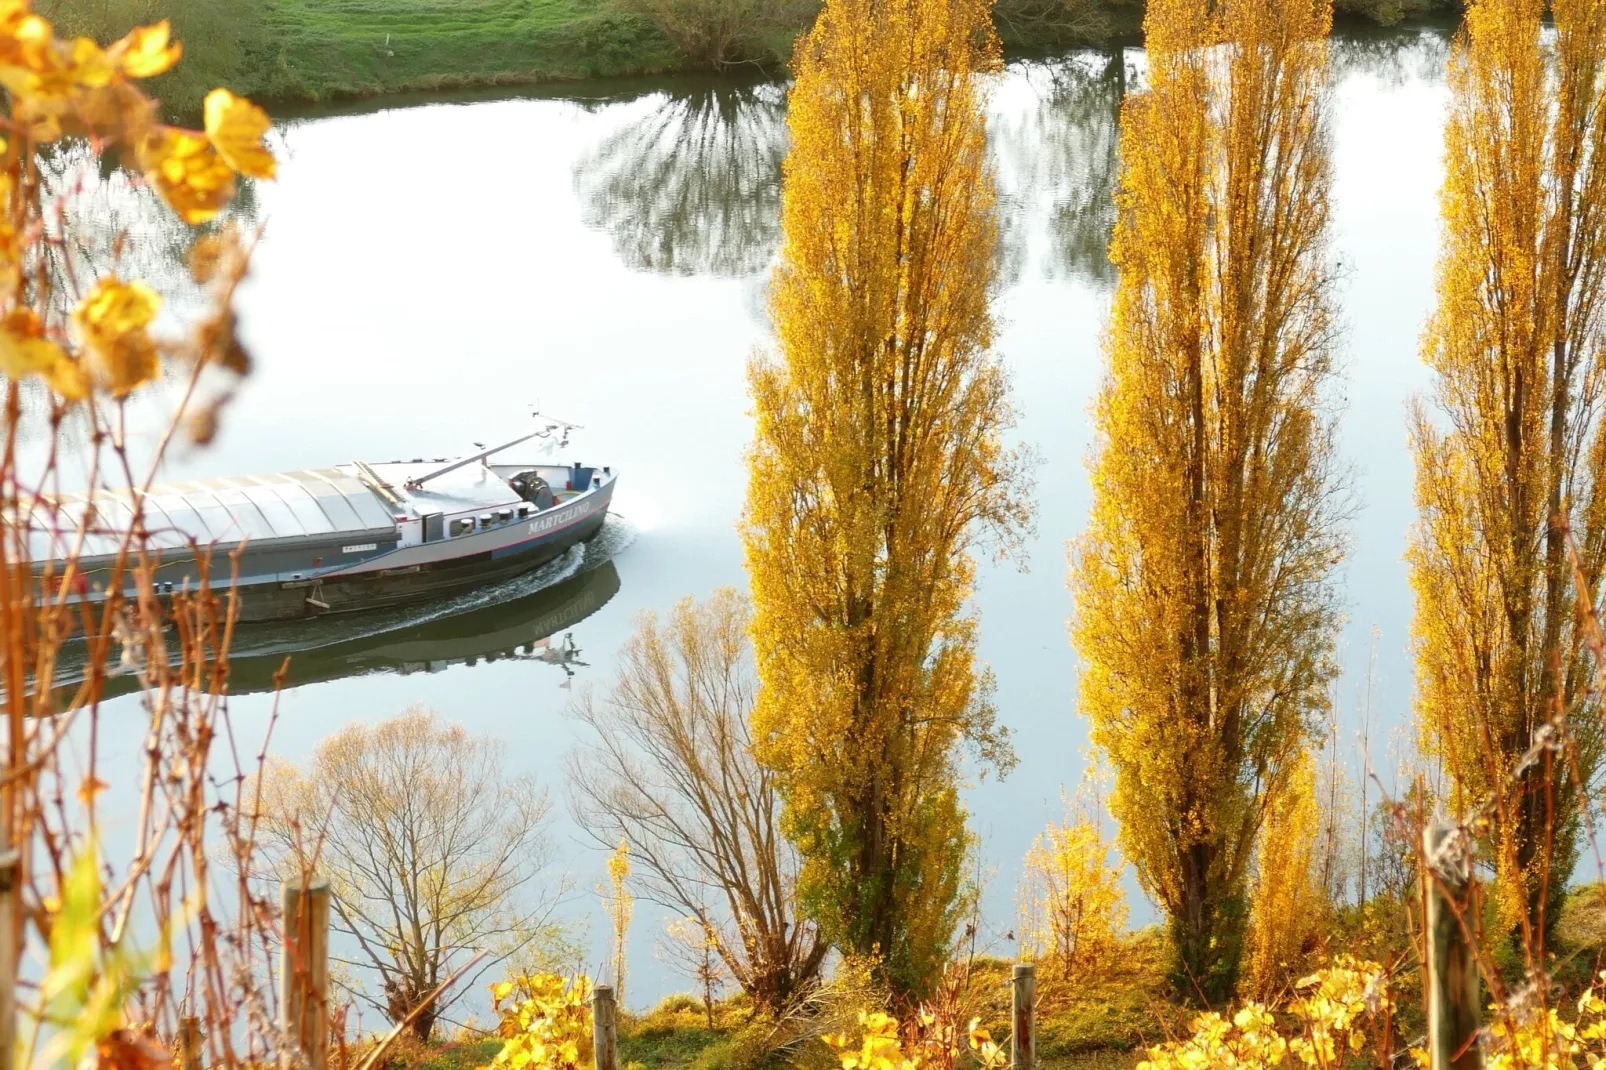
(551, 425)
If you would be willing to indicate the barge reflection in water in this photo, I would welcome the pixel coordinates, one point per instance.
(527, 627)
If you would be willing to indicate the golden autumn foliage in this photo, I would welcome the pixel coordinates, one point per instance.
(1072, 907)
(1336, 1014)
(876, 468)
(1341, 1016)
(1204, 614)
(1512, 438)
(929, 1042)
(544, 1021)
(76, 88)
(1287, 903)
(621, 905)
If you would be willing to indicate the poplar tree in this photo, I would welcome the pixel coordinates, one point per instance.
(1205, 617)
(1510, 449)
(877, 465)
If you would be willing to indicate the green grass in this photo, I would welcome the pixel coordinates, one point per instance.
(342, 48)
(307, 51)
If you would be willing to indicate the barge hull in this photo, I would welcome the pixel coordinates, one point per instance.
(359, 591)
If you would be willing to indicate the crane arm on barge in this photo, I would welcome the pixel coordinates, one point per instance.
(552, 425)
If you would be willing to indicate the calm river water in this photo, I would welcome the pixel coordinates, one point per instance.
(429, 271)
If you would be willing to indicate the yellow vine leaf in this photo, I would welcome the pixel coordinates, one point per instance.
(146, 51)
(236, 127)
(24, 352)
(112, 321)
(189, 173)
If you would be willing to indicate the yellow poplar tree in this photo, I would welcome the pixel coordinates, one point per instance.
(1288, 902)
(1514, 441)
(877, 465)
(621, 905)
(1072, 907)
(1204, 613)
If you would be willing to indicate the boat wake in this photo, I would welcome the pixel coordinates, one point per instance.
(258, 640)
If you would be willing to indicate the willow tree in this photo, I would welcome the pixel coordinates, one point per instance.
(876, 467)
(1513, 452)
(1205, 618)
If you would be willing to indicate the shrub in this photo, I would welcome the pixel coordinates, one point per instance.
(545, 1022)
(721, 34)
(927, 1042)
(1331, 1018)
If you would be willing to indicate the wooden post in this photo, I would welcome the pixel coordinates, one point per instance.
(1023, 1034)
(304, 968)
(10, 922)
(1452, 970)
(604, 1028)
(189, 1043)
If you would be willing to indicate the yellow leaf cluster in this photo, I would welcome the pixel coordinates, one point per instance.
(1329, 1018)
(931, 1043)
(545, 1022)
(112, 322)
(57, 88)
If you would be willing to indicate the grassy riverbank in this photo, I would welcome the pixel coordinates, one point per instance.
(306, 51)
(335, 48)
(303, 51)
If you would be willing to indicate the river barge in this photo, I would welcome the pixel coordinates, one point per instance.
(359, 536)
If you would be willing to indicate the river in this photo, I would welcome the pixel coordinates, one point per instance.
(430, 271)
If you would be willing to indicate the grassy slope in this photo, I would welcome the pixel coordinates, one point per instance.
(332, 48)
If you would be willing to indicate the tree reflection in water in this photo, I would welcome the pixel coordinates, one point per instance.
(107, 220)
(694, 187)
(104, 220)
(1084, 136)
(1393, 56)
(1063, 151)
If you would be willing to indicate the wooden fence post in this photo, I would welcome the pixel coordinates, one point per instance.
(304, 1007)
(10, 922)
(1452, 970)
(189, 1043)
(604, 1028)
(1023, 1033)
